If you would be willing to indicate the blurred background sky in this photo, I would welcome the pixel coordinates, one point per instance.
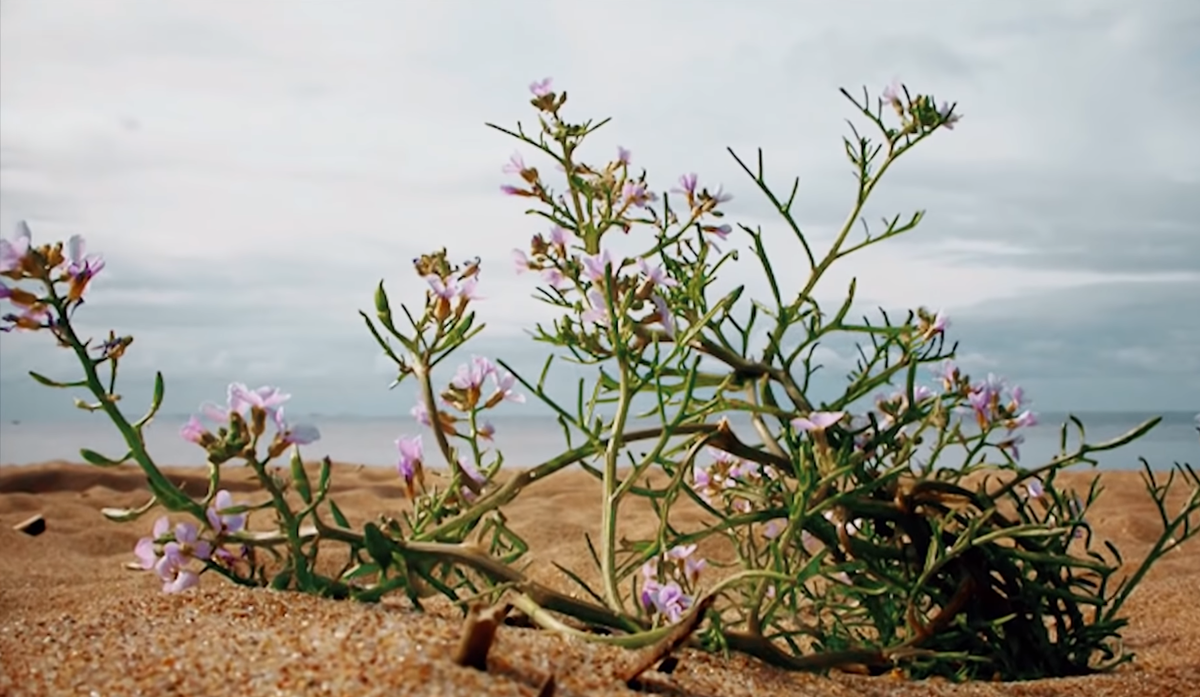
(250, 171)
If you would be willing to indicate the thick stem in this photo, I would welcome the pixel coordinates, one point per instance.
(612, 501)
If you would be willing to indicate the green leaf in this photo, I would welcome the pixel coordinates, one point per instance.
(160, 389)
(361, 570)
(126, 515)
(172, 498)
(324, 476)
(54, 383)
(383, 308)
(580, 582)
(338, 516)
(377, 546)
(94, 458)
(300, 477)
(282, 580)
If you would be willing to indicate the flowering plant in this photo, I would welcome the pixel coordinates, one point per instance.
(889, 526)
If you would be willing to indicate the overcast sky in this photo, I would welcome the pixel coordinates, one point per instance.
(250, 171)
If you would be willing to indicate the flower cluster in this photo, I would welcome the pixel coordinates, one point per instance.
(21, 260)
(574, 258)
(451, 289)
(169, 552)
(670, 599)
(730, 482)
(992, 403)
(465, 395)
(919, 113)
(243, 420)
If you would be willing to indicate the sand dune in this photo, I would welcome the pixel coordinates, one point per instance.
(73, 621)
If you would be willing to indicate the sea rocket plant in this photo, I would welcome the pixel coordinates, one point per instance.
(887, 525)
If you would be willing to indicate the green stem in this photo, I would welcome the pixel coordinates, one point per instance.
(425, 378)
(133, 438)
(290, 522)
(612, 501)
(517, 483)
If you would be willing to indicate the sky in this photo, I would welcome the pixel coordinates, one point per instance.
(251, 171)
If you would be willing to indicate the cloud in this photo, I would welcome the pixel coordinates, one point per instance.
(251, 175)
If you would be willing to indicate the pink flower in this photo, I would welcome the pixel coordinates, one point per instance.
(187, 544)
(637, 194)
(467, 288)
(773, 528)
(521, 261)
(719, 196)
(671, 601)
(687, 185)
(555, 279)
(597, 310)
(692, 566)
(411, 453)
(656, 275)
(471, 375)
(421, 413)
(623, 155)
(948, 373)
(721, 232)
(224, 523)
(541, 88)
(663, 314)
(144, 550)
(596, 266)
(242, 399)
(193, 431)
(817, 421)
(13, 253)
(892, 92)
(449, 289)
(445, 289)
(515, 165)
(1013, 444)
(301, 434)
(560, 236)
(948, 117)
(31, 319)
(172, 565)
(504, 388)
(1024, 419)
(936, 326)
(83, 268)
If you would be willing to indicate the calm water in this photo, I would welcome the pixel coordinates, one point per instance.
(530, 440)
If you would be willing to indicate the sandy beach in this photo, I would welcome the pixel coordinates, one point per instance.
(73, 621)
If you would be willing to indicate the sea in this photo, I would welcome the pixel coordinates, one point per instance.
(529, 440)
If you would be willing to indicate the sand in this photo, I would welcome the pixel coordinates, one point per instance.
(73, 621)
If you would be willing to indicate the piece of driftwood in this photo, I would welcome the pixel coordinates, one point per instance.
(32, 526)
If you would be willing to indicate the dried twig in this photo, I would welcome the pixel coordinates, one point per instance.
(660, 651)
(478, 634)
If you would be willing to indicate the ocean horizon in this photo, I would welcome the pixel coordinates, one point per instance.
(528, 440)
